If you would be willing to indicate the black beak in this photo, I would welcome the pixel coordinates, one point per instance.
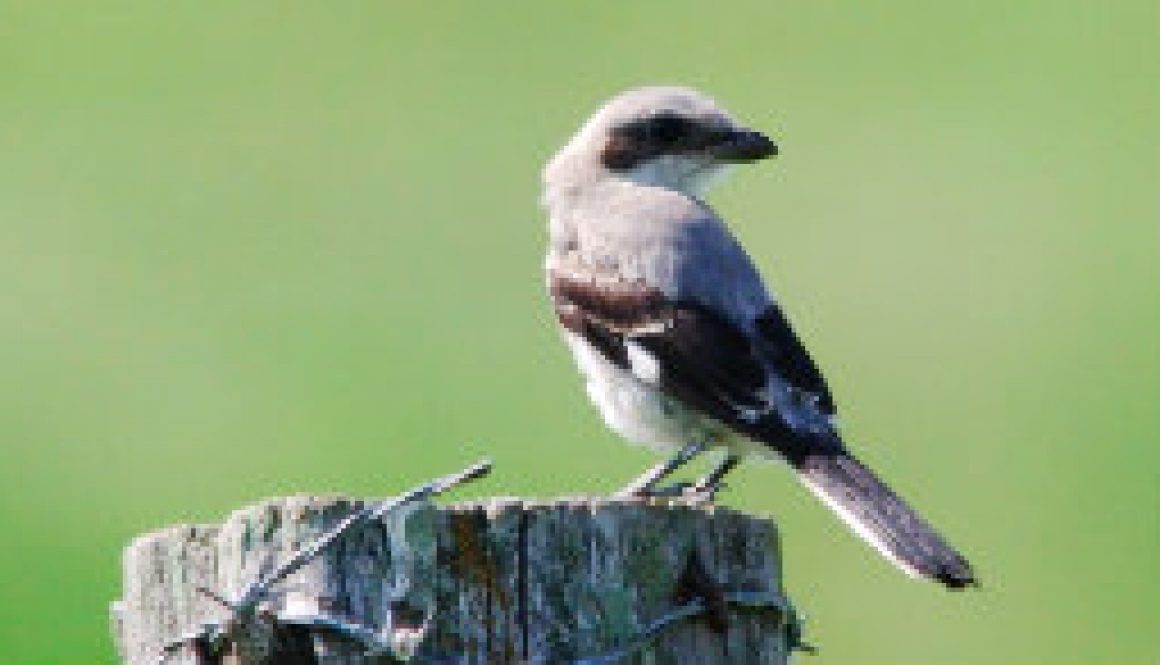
(742, 145)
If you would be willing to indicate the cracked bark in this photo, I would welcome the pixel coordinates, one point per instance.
(506, 580)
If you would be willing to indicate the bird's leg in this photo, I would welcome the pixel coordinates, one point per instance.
(705, 489)
(645, 485)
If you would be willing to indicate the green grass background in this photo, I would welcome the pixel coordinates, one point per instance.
(250, 249)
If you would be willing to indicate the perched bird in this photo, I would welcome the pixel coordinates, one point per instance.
(679, 340)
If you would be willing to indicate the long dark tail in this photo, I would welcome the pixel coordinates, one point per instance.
(875, 513)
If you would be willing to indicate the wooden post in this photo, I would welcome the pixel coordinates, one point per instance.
(498, 581)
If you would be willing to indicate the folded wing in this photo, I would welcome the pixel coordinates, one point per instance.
(760, 382)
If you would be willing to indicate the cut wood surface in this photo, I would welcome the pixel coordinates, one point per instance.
(496, 581)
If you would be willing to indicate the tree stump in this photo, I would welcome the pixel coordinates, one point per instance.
(496, 581)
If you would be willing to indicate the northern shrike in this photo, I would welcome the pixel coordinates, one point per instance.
(679, 340)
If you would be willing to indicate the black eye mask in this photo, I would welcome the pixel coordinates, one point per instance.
(644, 139)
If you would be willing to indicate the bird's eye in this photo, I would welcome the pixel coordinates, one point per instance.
(667, 128)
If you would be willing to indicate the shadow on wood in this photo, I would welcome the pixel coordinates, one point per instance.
(500, 581)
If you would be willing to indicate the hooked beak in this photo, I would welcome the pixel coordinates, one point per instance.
(742, 145)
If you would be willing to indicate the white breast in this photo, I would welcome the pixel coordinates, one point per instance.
(632, 405)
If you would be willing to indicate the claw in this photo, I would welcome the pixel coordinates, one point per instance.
(703, 496)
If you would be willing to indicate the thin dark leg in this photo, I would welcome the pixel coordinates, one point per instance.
(710, 483)
(645, 484)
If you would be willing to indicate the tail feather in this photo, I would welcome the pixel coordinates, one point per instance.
(882, 519)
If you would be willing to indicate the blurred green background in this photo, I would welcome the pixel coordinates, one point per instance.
(288, 247)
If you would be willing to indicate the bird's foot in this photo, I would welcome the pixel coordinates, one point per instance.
(646, 484)
(702, 496)
(670, 491)
(705, 490)
(686, 492)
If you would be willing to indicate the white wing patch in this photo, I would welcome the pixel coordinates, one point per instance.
(645, 365)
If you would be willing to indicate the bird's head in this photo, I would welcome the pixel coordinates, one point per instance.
(671, 137)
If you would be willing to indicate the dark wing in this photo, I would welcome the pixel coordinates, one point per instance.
(784, 350)
(705, 361)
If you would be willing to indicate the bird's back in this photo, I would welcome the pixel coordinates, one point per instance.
(661, 239)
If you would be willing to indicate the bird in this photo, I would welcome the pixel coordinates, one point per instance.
(680, 343)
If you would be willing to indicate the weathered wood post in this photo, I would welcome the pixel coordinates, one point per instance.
(496, 581)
